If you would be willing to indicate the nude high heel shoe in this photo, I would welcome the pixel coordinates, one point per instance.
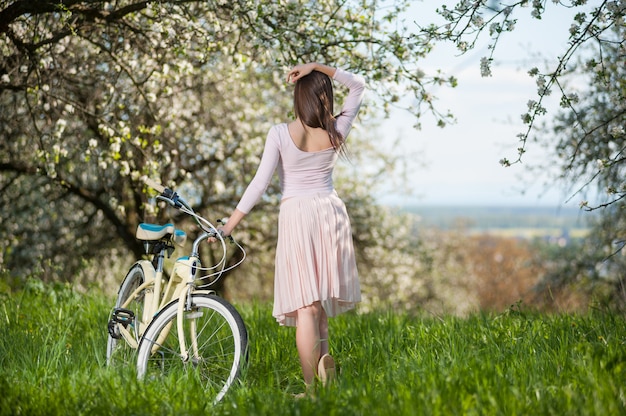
(326, 370)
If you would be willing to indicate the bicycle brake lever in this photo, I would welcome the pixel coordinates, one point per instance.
(165, 199)
(228, 237)
(172, 197)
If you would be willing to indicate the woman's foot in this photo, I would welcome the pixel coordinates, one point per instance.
(326, 370)
(309, 392)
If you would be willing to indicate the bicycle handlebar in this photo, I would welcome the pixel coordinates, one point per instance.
(171, 197)
(154, 185)
(166, 194)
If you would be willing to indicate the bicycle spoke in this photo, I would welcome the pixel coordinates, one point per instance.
(214, 337)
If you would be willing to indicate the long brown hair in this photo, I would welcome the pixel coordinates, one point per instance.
(313, 105)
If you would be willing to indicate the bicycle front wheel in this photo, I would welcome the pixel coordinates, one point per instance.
(215, 337)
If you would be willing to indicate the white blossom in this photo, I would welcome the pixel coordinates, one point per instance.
(485, 67)
(125, 168)
(541, 83)
(478, 21)
(116, 145)
(510, 25)
(616, 131)
(219, 186)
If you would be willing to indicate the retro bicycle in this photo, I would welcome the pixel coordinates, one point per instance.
(164, 323)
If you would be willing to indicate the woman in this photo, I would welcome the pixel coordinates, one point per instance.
(316, 275)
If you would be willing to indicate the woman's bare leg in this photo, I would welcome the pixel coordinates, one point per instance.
(323, 328)
(308, 340)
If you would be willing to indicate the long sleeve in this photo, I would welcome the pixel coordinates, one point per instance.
(356, 85)
(263, 176)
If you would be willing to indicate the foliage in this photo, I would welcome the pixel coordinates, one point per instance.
(573, 274)
(587, 136)
(591, 149)
(96, 95)
(52, 349)
(594, 55)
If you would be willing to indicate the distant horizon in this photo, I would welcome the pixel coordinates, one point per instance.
(471, 208)
(527, 204)
(484, 205)
(490, 217)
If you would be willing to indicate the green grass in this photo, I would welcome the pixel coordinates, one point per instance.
(53, 342)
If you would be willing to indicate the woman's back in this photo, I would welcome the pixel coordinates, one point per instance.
(304, 172)
(305, 161)
(309, 139)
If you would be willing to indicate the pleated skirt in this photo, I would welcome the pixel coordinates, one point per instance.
(315, 258)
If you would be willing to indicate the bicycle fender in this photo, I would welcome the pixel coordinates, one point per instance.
(151, 301)
(147, 267)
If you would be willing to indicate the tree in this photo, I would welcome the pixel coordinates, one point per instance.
(591, 141)
(96, 95)
(600, 27)
(587, 135)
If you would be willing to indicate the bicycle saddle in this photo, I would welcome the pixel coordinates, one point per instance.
(156, 232)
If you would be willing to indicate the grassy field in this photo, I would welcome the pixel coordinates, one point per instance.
(53, 342)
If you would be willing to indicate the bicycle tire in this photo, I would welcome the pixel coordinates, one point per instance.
(221, 339)
(119, 351)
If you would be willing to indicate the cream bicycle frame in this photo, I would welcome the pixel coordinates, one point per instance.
(186, 269)
(183, 277)
(153, 283)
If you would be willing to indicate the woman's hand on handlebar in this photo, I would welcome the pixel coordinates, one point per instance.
(221, 231)
(227, 227)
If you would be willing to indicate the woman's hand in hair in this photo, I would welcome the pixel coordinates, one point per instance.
(300, 71)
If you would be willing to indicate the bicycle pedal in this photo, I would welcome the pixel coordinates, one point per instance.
(113, 331)
(123, 316)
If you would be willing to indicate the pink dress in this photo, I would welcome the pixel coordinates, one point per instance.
(315, 258)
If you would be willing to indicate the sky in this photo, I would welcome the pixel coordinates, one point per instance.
(461, 161)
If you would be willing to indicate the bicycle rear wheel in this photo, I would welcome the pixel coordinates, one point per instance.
(125, 320)
(215, 337)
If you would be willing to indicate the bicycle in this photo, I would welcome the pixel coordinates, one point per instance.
(178, 323)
